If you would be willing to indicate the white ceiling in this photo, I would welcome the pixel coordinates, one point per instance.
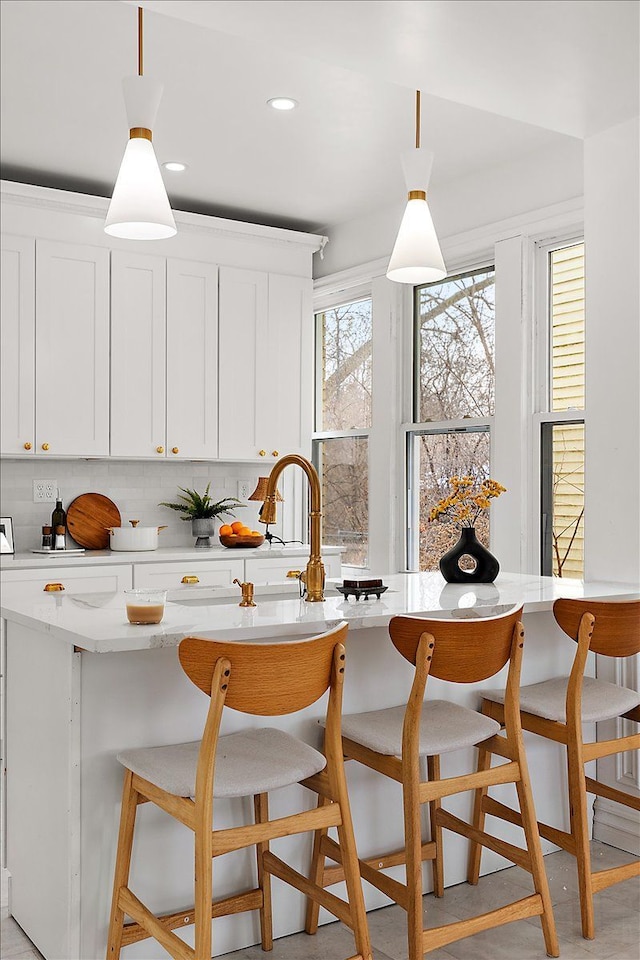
(499, 78)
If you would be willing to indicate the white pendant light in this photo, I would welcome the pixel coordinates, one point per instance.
(416, 256)
(139, 208)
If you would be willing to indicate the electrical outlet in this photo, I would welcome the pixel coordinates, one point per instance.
(244, 489)
(45, 491)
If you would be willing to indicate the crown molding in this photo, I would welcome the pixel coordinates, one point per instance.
(64, 201)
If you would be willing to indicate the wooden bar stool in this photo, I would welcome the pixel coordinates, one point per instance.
(263, 679)
(556, 709)
(392, 741)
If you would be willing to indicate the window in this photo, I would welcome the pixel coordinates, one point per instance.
(454, 379)
(342, 421)
(562, 420)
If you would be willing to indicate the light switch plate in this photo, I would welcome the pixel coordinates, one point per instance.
(45, 491)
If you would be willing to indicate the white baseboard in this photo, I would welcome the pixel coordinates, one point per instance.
(4, 887)
(616, 825)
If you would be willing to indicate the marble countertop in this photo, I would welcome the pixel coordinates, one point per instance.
(35, 561)
(97, 622)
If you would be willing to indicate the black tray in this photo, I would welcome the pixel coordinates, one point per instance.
(358, 592)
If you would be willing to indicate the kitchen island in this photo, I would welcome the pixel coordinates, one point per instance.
(83, 684)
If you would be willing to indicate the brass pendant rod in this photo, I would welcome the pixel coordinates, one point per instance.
(140, 41)
(417, 119)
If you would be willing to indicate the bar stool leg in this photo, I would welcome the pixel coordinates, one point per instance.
(538, 872)
(315, 875)
(580, 831)
(123, 865)
(203, 887)
(261, 811)
(478, 818)
(433, 770)
(413, 849)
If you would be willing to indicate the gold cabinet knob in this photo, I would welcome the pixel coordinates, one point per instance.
(274, 453)
(27, 445)
(175, 450)
(262, 453)
(45, 446)
(190, 580)
(159, 449)
(53, 587)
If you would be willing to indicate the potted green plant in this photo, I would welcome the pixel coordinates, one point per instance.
(202, 511)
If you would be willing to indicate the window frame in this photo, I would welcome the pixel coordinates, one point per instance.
(321, 305)
(543, 417)
(417, 428)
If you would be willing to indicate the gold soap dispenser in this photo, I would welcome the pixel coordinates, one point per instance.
(247, 594)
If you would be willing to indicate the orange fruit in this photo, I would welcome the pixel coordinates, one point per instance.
(245, 531)
(237, 525)
(256, 533)
(226, 529)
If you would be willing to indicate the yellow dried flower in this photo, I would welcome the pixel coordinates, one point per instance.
(468, 499)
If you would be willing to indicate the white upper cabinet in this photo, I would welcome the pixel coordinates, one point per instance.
(192, 360)
(17, 346)
(164, 358)
(266, 362)
(289, 386)
(138, 355)
(55, 367)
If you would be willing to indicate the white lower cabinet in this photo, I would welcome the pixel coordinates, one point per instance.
(275, 570)
(169, 576)
(110, 578)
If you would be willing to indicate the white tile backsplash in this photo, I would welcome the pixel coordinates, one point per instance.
(136, 487)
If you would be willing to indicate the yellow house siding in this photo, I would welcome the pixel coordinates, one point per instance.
(567, 392)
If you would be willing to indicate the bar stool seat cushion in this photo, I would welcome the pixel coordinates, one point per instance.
(247, 763)
(600, 700)
(444, 726)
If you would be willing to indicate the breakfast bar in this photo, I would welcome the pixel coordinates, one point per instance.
(84, 684)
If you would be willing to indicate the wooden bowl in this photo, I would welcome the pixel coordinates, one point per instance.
(237, 540)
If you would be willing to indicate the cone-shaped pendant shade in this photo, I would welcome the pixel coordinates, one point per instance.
(416, 256)
(139, 208)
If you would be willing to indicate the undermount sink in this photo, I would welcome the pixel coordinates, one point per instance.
(202, 596)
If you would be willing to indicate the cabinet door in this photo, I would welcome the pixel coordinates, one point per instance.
(72, 349)
(285, 410)
(192, 360)
(243, 365)
(111, 578)
(138, 350)
(17, 346)
(169, 576)
(275, 569)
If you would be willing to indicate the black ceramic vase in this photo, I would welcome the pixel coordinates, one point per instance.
(486, 568)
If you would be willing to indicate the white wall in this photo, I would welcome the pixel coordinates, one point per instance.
(136, 487)
(612, 205)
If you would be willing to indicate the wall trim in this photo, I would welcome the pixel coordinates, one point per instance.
(64, 201)
(616, 825)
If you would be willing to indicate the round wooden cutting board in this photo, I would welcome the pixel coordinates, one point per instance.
(88, 518)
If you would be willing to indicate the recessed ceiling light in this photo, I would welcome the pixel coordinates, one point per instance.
(174, 166)
(282, 103)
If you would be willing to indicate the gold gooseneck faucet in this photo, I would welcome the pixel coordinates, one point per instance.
(314, 576)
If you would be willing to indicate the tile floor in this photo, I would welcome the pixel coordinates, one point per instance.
(617, 922)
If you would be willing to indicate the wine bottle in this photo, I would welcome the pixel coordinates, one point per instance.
(59, 516)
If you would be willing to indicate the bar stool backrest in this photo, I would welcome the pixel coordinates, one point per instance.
(616, 631)
(266, 679)
(465, 651)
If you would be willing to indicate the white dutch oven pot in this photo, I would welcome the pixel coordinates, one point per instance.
(134, 537)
